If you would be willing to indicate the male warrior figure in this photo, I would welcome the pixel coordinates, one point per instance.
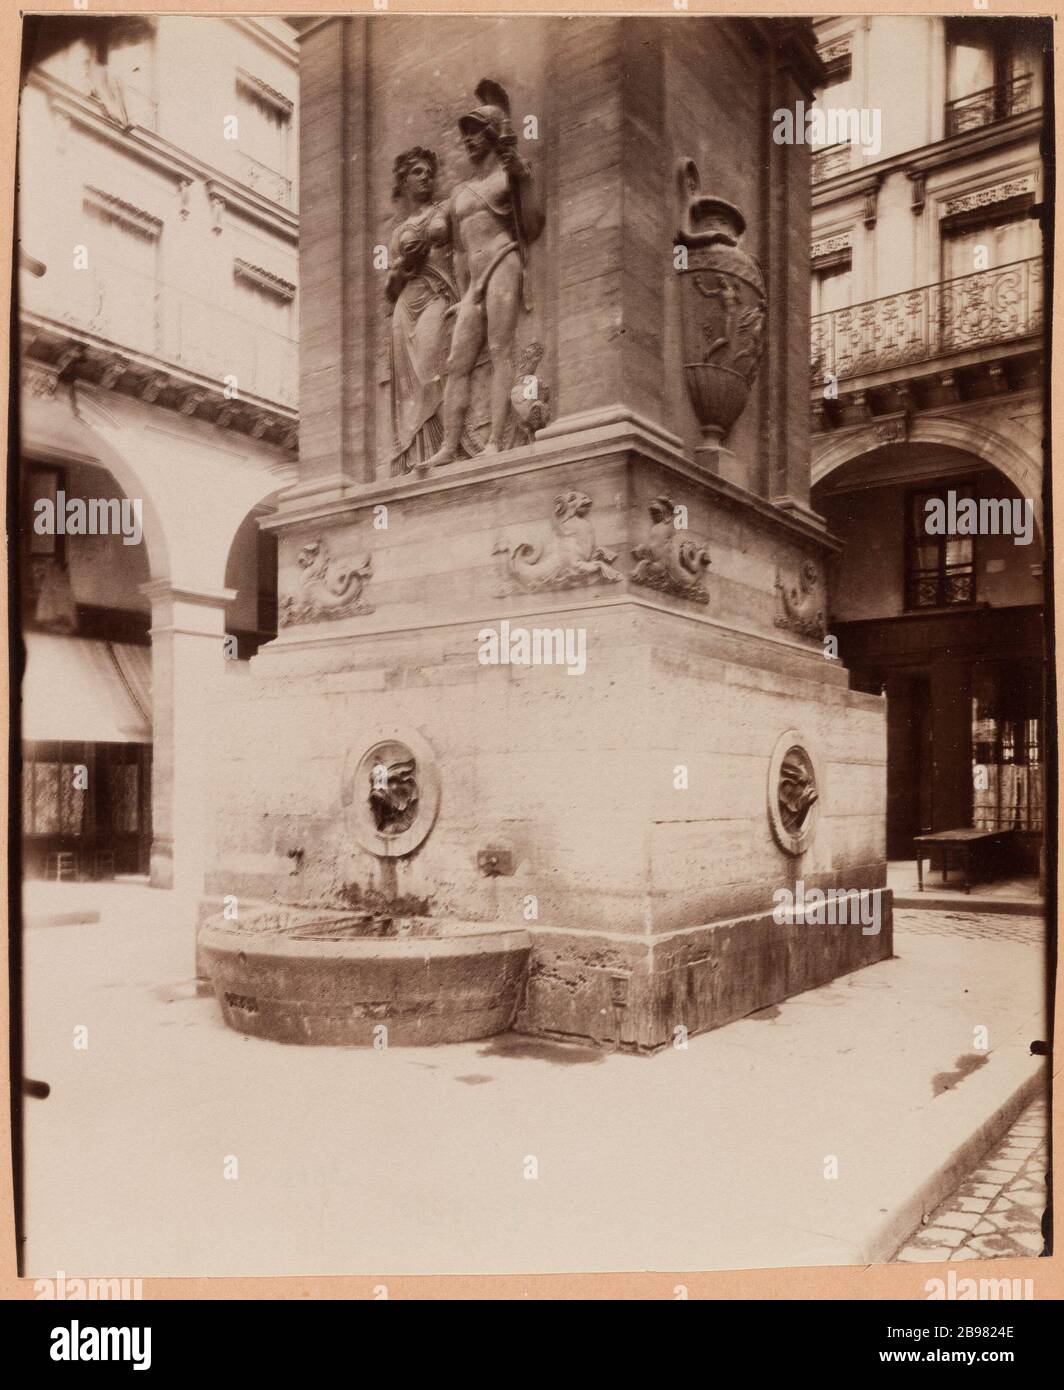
(491, 218)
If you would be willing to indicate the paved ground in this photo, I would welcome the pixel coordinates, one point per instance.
(998, 1208)
(1019, 894)
(815, 1132)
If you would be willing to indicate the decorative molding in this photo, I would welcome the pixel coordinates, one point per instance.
(264, 279)
(944, 154)
(987, 197)
(835, 48)
(570, 558)
(264, 92)
(837, 57)
(152, 387)
(918, 189)
(892, 429)
(225, 198)
(63, 350)
(326, 590)
(38, 379)
(671, 559)
(830, 246)
(112, 373)
(871, 203)
(116, 209)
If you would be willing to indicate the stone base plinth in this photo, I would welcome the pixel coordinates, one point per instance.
(648, 993)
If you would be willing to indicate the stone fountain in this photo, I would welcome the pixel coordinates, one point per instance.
(554, 384)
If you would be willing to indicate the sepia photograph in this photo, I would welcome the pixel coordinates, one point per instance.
(531, 653)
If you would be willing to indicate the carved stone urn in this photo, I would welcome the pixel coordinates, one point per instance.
(722, 307)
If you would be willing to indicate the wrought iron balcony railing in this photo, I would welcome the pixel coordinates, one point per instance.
(972, 311)
(990, 105)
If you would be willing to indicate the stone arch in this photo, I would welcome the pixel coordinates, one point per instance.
(1023, 469)
(250, 551)
(100, 452)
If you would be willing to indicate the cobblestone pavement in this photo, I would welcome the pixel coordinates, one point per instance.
(997, 1210)
(986, 926)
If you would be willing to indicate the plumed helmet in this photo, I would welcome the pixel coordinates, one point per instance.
(493, 113)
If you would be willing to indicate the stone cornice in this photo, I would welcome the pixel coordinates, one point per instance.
(138, 220)
(273, 98)
(237, 199)
(264, 280)
(954, 150)
(794, 43)
(302, 505)
(305, 25)
(58, 347)
(281, 48)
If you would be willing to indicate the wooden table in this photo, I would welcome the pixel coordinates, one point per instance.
(959, 842)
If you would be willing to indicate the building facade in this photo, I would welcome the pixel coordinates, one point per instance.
(157, 420)
(926, 385)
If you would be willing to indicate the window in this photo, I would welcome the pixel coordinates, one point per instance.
(119, 297)
(120, 69)
(990, 73)
(1007, 761)
(262, 152)
(831, 288)
(54, 801)
(940, 569)
(968, 247)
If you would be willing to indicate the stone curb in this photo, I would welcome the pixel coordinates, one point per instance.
(905, 1219)
(963, 902)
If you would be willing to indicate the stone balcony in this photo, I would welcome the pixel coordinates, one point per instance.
(976, 335)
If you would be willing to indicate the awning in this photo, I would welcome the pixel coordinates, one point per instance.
(79, 690)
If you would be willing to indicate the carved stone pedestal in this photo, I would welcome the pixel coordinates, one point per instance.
(588, 677)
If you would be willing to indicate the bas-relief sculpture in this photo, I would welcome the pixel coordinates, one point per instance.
(422, 291)
(793, 793)
(390, 793)
(393, 793)
(670, 559)
(570, 558)
(722, 306)
(800, 604)
(326, 589)
(439, 333)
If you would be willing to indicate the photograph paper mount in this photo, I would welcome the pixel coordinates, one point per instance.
(510, 740)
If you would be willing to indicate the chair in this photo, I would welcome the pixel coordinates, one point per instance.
(62, 864)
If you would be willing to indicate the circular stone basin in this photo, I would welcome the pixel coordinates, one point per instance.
(302, 975)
